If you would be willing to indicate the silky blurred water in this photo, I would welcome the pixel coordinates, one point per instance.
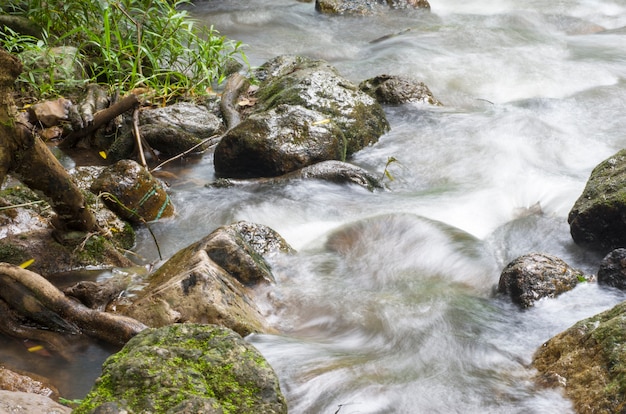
(388, 306)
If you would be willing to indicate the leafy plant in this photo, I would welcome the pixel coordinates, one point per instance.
(127, 44)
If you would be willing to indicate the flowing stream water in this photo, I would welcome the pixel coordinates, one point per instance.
(403, 318)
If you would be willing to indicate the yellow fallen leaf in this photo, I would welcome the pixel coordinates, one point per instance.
(323, 121)
(27, 263)
(103, 154)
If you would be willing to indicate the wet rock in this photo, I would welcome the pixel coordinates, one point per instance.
(194, 119)
(11, 380)
(137, 196)
(192, 286)
(278, 141)
(598, 218)
(28, 403)
(535, 276)
(588, 361)
(186, 368)
(323, 115)
(366, 7)
(171, 130)
(612, 271)
(334, 171)
(392, 89)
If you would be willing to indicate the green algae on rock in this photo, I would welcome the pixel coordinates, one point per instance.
(589, 361)
(181, 367)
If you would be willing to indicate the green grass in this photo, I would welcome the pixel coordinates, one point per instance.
(122, 43)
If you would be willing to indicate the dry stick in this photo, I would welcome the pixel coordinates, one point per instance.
(115, 329)
(100, 118)
(142, 157)
(182, 154)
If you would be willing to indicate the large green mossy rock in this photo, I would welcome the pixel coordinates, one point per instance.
(305, 112)
(598, 218)
(589, 361)
(187, 368)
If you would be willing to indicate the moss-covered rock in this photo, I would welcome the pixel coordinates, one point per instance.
(598, 218)
(589, 361)
(304, 113)
(133, 193)
(187, 368)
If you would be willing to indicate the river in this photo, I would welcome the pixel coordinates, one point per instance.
(405, 319)
(406, 322)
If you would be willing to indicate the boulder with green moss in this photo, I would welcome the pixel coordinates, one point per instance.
(598, 218)
(304, 112)
(589, 362)
(186, 368)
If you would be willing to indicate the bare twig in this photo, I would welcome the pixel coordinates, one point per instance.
(182, 154)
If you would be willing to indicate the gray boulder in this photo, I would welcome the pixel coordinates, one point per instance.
(366, 7)
(186, 368)
(535, 276)
(305, 112)
(598, 218)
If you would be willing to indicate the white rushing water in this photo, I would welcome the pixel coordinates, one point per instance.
(403, 319)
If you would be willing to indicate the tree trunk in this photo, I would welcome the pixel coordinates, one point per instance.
(27, 158)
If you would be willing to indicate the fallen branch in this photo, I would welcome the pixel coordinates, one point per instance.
(235, 86)
(100, 118)
(38, 293)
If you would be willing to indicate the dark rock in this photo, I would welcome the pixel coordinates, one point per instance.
(388, 89)
(187, 368)
(612, 271)
(598, 218)
(334, 171)
(588, 361)
(276, 142)
(135, 195)
(192, 287)
(535, 276)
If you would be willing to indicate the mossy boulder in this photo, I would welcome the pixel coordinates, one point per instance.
(304, 113)
(187, 368)
(598, 218)
(133, 193)
(588, 360)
